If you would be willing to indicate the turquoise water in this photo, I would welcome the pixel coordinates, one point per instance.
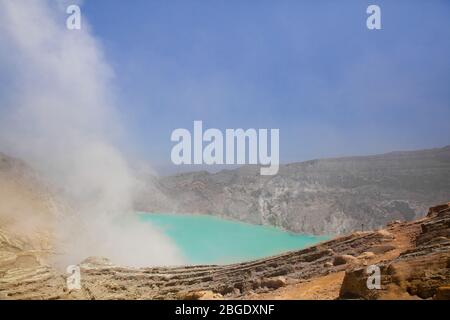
(205, 239)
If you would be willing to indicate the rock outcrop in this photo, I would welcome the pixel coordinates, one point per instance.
(422, 271)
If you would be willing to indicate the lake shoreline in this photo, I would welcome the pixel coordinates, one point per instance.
(227, 218)
(209, 239)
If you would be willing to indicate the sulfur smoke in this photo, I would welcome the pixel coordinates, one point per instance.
(58, 113)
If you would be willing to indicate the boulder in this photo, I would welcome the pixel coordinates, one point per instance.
(344, 259)
(274, 283)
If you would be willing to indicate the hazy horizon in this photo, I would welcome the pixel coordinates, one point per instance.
(172, 169)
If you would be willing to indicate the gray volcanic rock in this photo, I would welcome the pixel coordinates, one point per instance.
(327, 196)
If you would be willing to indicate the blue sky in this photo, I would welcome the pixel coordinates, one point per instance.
(310, 68)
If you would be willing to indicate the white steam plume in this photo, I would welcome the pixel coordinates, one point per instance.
(58, 114)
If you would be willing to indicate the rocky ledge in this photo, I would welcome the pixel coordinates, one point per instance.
(413, 257)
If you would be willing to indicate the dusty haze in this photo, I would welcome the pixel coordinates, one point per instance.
(57, 112)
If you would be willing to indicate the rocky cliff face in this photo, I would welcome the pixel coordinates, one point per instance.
(329, 196)
(421, 271)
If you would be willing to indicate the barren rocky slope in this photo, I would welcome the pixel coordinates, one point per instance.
(414, 258)
(328, 196)
(27, 206)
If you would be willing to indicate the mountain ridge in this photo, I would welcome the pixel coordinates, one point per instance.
(320, 196)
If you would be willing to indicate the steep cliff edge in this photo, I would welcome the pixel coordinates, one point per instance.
(327, 196)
